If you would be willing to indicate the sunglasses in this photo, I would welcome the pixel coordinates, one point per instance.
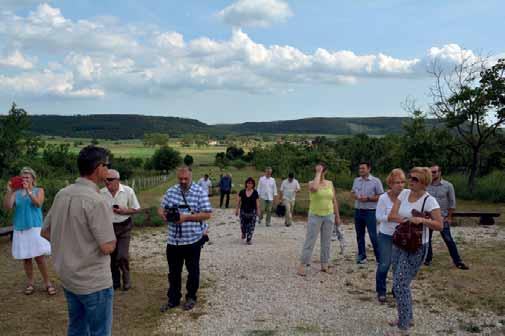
(434, 171)
(105, 164)
(110, 179)
(414, 179)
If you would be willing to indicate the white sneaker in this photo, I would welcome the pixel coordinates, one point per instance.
(334, 237)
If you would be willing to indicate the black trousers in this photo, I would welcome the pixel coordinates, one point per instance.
(119, 259)
(177, 256)
(223, 193)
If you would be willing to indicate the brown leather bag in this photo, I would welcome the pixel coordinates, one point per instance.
(407, 235)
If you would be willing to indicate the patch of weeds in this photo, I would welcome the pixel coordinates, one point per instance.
(470, 327)
(305, 328)
(261, 332)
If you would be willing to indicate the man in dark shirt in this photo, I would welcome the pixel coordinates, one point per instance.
(225, 189)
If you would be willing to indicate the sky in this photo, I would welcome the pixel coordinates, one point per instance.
(235, 61)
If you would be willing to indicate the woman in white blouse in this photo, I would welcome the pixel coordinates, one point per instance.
(396, 183)
(406, 264)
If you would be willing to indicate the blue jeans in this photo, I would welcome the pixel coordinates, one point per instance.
(451, 245)
(90, 314)
(385, 249)
(365, 220)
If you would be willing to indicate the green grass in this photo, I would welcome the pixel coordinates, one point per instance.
(135, 148)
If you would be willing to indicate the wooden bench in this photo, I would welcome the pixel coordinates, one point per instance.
(8, 230)
(485, 218)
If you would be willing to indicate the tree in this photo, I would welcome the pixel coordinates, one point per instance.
(188, 160)
(153, 139)
(233, 153)
(471, 101)
(165, 158)
(13, 134)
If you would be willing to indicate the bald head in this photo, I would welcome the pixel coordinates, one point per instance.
(184, 176)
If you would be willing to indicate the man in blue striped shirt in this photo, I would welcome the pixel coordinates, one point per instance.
(185, 236)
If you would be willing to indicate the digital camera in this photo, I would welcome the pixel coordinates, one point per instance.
(172, 214)
(16, 182)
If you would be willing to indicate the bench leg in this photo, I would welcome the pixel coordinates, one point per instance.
(486, 220)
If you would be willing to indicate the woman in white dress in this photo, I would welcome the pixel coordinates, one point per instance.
(27, 242)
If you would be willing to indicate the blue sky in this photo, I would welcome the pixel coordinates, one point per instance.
(235, 61)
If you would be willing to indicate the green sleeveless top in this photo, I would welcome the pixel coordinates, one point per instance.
(321, 201)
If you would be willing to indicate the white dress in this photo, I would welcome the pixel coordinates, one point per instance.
(27, 243)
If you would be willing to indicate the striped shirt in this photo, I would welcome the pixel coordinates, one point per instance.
(198, 200)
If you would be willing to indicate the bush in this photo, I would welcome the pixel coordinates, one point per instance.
(239, 164)
(487, 188)
(150, 218)
(165, 158)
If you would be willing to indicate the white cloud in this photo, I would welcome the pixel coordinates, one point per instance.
(18, 4)
(255, 13)
(46, 83)
(16, 60)
(92, 58)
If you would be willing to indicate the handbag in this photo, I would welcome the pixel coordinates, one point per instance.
(408, 236)
(280, 210)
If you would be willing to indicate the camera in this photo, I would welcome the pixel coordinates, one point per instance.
(16, 182)
(115, 206)
(172, 214)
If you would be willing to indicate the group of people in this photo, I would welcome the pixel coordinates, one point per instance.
(87, 230)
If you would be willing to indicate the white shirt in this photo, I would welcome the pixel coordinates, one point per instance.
(267, 189)
(125, 198)
(406, 207)
(384, 206)
(289, 189)
(205, 184)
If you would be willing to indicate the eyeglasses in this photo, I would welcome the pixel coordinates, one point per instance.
(414, 179)
(434, 171)
(110, 179)
(105, 164)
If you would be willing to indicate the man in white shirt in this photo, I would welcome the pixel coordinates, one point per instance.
(206, 184)
(289, 188)
(267, 190)
(123, 202)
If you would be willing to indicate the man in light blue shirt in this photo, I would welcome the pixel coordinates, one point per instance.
(366, 190)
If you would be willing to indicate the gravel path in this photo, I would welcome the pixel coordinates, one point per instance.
(254, 290)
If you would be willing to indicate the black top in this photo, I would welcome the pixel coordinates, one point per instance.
(248, 204)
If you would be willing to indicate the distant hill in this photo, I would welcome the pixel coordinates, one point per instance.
(113, 126)
(128, 126)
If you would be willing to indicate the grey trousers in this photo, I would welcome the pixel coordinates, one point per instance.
(318, 224)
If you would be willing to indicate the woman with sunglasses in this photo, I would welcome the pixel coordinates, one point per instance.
(406, 264)
(27, 243)
(396, 183)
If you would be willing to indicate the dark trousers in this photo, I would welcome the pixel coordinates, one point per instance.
(119, 259)
(177, 256)
(451, 245)
(365, 220)
(223, 193)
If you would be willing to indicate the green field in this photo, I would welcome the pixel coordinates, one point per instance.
(135, 148)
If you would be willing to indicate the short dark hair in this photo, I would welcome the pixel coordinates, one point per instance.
(90, 157)
(206, 175)
(291, 175)
(250, 179)
(367, 163)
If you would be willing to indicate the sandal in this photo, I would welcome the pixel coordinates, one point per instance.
(51, 290)
(301, 271)
(29, 290)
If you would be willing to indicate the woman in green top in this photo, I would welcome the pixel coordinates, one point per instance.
(323, 215)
